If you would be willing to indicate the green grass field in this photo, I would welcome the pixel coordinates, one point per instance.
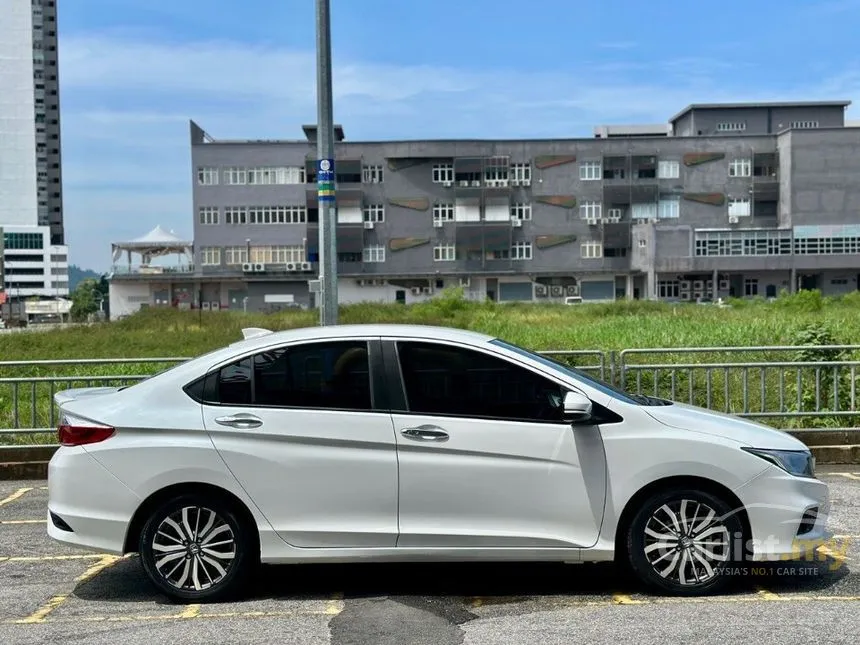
(805, 318)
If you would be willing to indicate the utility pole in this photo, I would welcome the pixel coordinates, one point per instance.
(326, 168)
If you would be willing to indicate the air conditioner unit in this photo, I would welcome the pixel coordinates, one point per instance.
(502, 182)
(427, 290)
(517, 223)
(527, 182)
(697, 295)
(206, 306)
(557, 291)
(438, 223)
(572, 290)
(215, 305)
(247, 267)
(515, 182)
(465, 282)
(709, 285)
(476, 183)
(613, 219)
(733, 219)
(540, 290)
(592, 221)
(699, 284)
(259, 267)
(291, 266)
(447, 184)
(368, 225)
(685, 295)
(685, 285)
(306, 266)
(464, 182)
(724, 285)
(416, 291)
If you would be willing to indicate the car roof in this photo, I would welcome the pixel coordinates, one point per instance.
(263, 337)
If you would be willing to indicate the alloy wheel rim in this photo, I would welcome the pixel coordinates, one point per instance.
(686, 541)
(194, 548)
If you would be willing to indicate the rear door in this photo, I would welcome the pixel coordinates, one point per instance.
(305, 430)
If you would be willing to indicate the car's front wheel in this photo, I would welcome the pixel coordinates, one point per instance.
(196, 548)
(684, 542)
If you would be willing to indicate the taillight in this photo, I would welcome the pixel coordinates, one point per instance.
(74, 435)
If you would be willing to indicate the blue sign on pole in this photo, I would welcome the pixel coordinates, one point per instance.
(325, 180)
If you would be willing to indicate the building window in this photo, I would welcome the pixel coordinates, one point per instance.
(642, 242)
(590, 210)
(374, 213)
(740, 168)
(23, 241)
(591, 250)
(235, 176)
(739, 207)
(521, 251)
(208, 214)
(207, 176)
(235, 255)
(643, 211)
(742, 243)
(276, 215)
(668, 289)
(590, 170)
(750, 287)
(371, 174)
(521, 173)
(804, 125)
(277, 254)
(521, 211)
(236, 215)
(835, 245)
(443, 172)
(737, 126)
(443, 212)
(445, 253)
(669, 208)
(373, 254)
(668, 169)
(275, 175)
(210, 256)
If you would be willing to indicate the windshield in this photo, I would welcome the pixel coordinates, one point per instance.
(583, 377)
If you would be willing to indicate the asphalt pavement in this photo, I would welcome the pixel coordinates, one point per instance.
(50, 593)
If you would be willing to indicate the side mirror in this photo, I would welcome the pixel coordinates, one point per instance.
(577, 408)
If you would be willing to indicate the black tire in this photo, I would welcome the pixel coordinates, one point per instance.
(173, 571)
(666, 565)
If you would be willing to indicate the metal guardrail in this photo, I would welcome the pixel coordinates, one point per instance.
(758, 384)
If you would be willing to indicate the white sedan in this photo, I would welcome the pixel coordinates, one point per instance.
(411, 443)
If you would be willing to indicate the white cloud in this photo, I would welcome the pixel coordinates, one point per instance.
(127, 101)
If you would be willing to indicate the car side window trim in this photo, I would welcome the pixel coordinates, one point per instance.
(377, 378)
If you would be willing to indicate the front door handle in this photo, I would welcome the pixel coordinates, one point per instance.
(241, 420)
(425, 433)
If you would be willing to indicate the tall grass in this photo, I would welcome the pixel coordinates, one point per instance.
(605, 327)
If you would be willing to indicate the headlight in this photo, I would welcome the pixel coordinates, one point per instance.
(797, 462)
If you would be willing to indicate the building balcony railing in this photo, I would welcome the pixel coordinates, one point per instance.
(146, 269)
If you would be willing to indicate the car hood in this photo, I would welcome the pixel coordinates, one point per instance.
(718, 424)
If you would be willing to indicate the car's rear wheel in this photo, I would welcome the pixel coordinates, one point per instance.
(197, 548)
(683, 542)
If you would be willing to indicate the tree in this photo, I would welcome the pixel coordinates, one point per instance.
(86, 299)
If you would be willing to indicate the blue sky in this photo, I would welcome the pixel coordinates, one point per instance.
(133, 72)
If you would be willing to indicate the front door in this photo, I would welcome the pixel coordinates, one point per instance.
(485, 460)
(302, 433)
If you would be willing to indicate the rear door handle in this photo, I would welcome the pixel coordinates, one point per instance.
(241, 420)
(425, 433)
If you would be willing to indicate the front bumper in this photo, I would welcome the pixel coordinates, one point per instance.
(787, 515)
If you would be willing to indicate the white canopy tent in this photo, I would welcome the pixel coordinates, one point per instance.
(156, 243)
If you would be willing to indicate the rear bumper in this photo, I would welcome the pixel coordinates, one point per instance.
(787, 514)
(85, 498)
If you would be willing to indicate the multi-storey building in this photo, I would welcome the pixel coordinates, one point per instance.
(726, 200)
(31, 211)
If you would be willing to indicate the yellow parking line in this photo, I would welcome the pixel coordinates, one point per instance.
(624, 599)
(50, 558)
(11, 498)
(766, 595)
(41, 614)
(335, 605)
(23, 521)
(848, 476)
(191, 611)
